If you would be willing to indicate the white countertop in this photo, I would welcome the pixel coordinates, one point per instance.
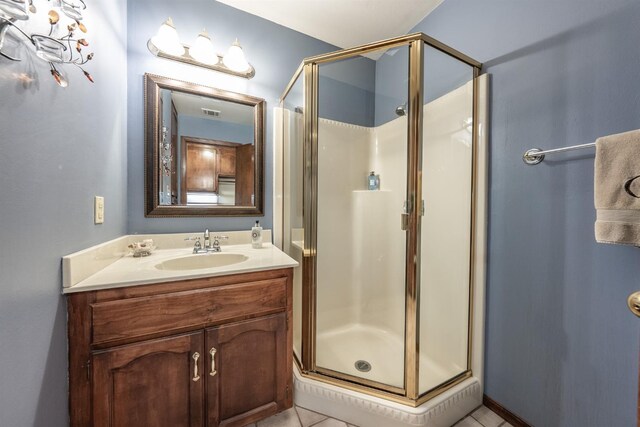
(130, 271)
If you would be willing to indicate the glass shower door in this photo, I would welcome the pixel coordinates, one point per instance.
(292, 197)
(446, 231)
(361, 189)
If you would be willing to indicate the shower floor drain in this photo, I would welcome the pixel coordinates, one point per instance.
(363, 366)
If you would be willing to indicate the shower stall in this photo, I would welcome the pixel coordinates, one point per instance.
(380, 196)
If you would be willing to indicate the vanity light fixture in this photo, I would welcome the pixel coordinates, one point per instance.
(166, 44)
(59, 46)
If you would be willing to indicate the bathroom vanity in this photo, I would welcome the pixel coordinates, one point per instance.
(212, 350)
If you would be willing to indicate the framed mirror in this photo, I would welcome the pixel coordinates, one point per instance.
(204, 150)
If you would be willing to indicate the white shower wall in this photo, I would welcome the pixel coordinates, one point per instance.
(446, 235)
(361, 247)
(359, 252)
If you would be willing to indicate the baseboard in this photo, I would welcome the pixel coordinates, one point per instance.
(506, 414)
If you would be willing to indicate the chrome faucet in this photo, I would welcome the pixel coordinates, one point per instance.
(209, 245)
(207, 240)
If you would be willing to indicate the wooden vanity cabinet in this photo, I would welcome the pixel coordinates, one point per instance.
(220, 353)
(146, 384)
(250, 371)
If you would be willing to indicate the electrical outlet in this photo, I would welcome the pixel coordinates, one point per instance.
(98, 211)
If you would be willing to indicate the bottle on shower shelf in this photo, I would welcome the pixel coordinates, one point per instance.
(374, 181)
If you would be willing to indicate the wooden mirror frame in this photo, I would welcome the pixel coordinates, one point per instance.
(152, 86)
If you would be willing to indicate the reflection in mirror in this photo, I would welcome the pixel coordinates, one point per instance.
(208, 155)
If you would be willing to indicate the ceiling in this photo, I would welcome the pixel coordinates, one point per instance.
(333, 21)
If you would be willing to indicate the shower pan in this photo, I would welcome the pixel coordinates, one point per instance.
(389, 294)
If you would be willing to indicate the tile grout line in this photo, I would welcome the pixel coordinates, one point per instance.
(295, 409)
(477, 420)
(314, 424)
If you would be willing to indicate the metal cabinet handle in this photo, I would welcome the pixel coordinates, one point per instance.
(634, 303)
(212, 352)
(195, 357)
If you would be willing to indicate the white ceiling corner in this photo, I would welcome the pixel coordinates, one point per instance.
(343, 23)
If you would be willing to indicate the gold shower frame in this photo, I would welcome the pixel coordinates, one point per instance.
(309, 69)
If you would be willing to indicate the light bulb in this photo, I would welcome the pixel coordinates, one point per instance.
(234, 59)
(202, 49)
(167, 39)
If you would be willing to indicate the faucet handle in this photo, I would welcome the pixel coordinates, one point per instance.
(217, 239)
(197, 247)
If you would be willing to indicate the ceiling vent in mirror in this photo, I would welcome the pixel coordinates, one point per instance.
(211, 113)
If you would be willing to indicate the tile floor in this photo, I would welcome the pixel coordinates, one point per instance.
(483, 417)
(300, 417)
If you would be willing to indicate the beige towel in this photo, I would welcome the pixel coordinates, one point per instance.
(617, 188)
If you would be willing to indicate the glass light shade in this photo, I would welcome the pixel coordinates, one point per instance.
(16, 9)
(167, 39)
(48, 48)
(72, 8)
(234, 59)
(202, 50)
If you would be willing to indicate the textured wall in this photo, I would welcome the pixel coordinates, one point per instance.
(273, 50)
(561, 346)
(60, 147)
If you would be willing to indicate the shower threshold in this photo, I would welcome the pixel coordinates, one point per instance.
(364, 410)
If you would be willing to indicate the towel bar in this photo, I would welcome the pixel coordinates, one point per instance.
(536, 155)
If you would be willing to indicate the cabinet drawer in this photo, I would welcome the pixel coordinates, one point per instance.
(129, 318)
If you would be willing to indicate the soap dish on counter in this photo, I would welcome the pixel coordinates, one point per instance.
(142, 249)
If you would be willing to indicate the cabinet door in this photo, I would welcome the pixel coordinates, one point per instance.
(154, 383)
(247, 377)
(227, 166)
(201, 173)
(245, 170)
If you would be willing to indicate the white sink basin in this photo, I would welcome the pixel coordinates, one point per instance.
(196, 262)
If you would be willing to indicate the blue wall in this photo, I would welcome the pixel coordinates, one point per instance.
(561, 346)
(347, 91)
(346, 103)
(60, 147)
(442, 74)
(213, 129)
(273, 50)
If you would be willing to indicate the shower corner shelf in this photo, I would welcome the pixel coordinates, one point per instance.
(298, 244)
